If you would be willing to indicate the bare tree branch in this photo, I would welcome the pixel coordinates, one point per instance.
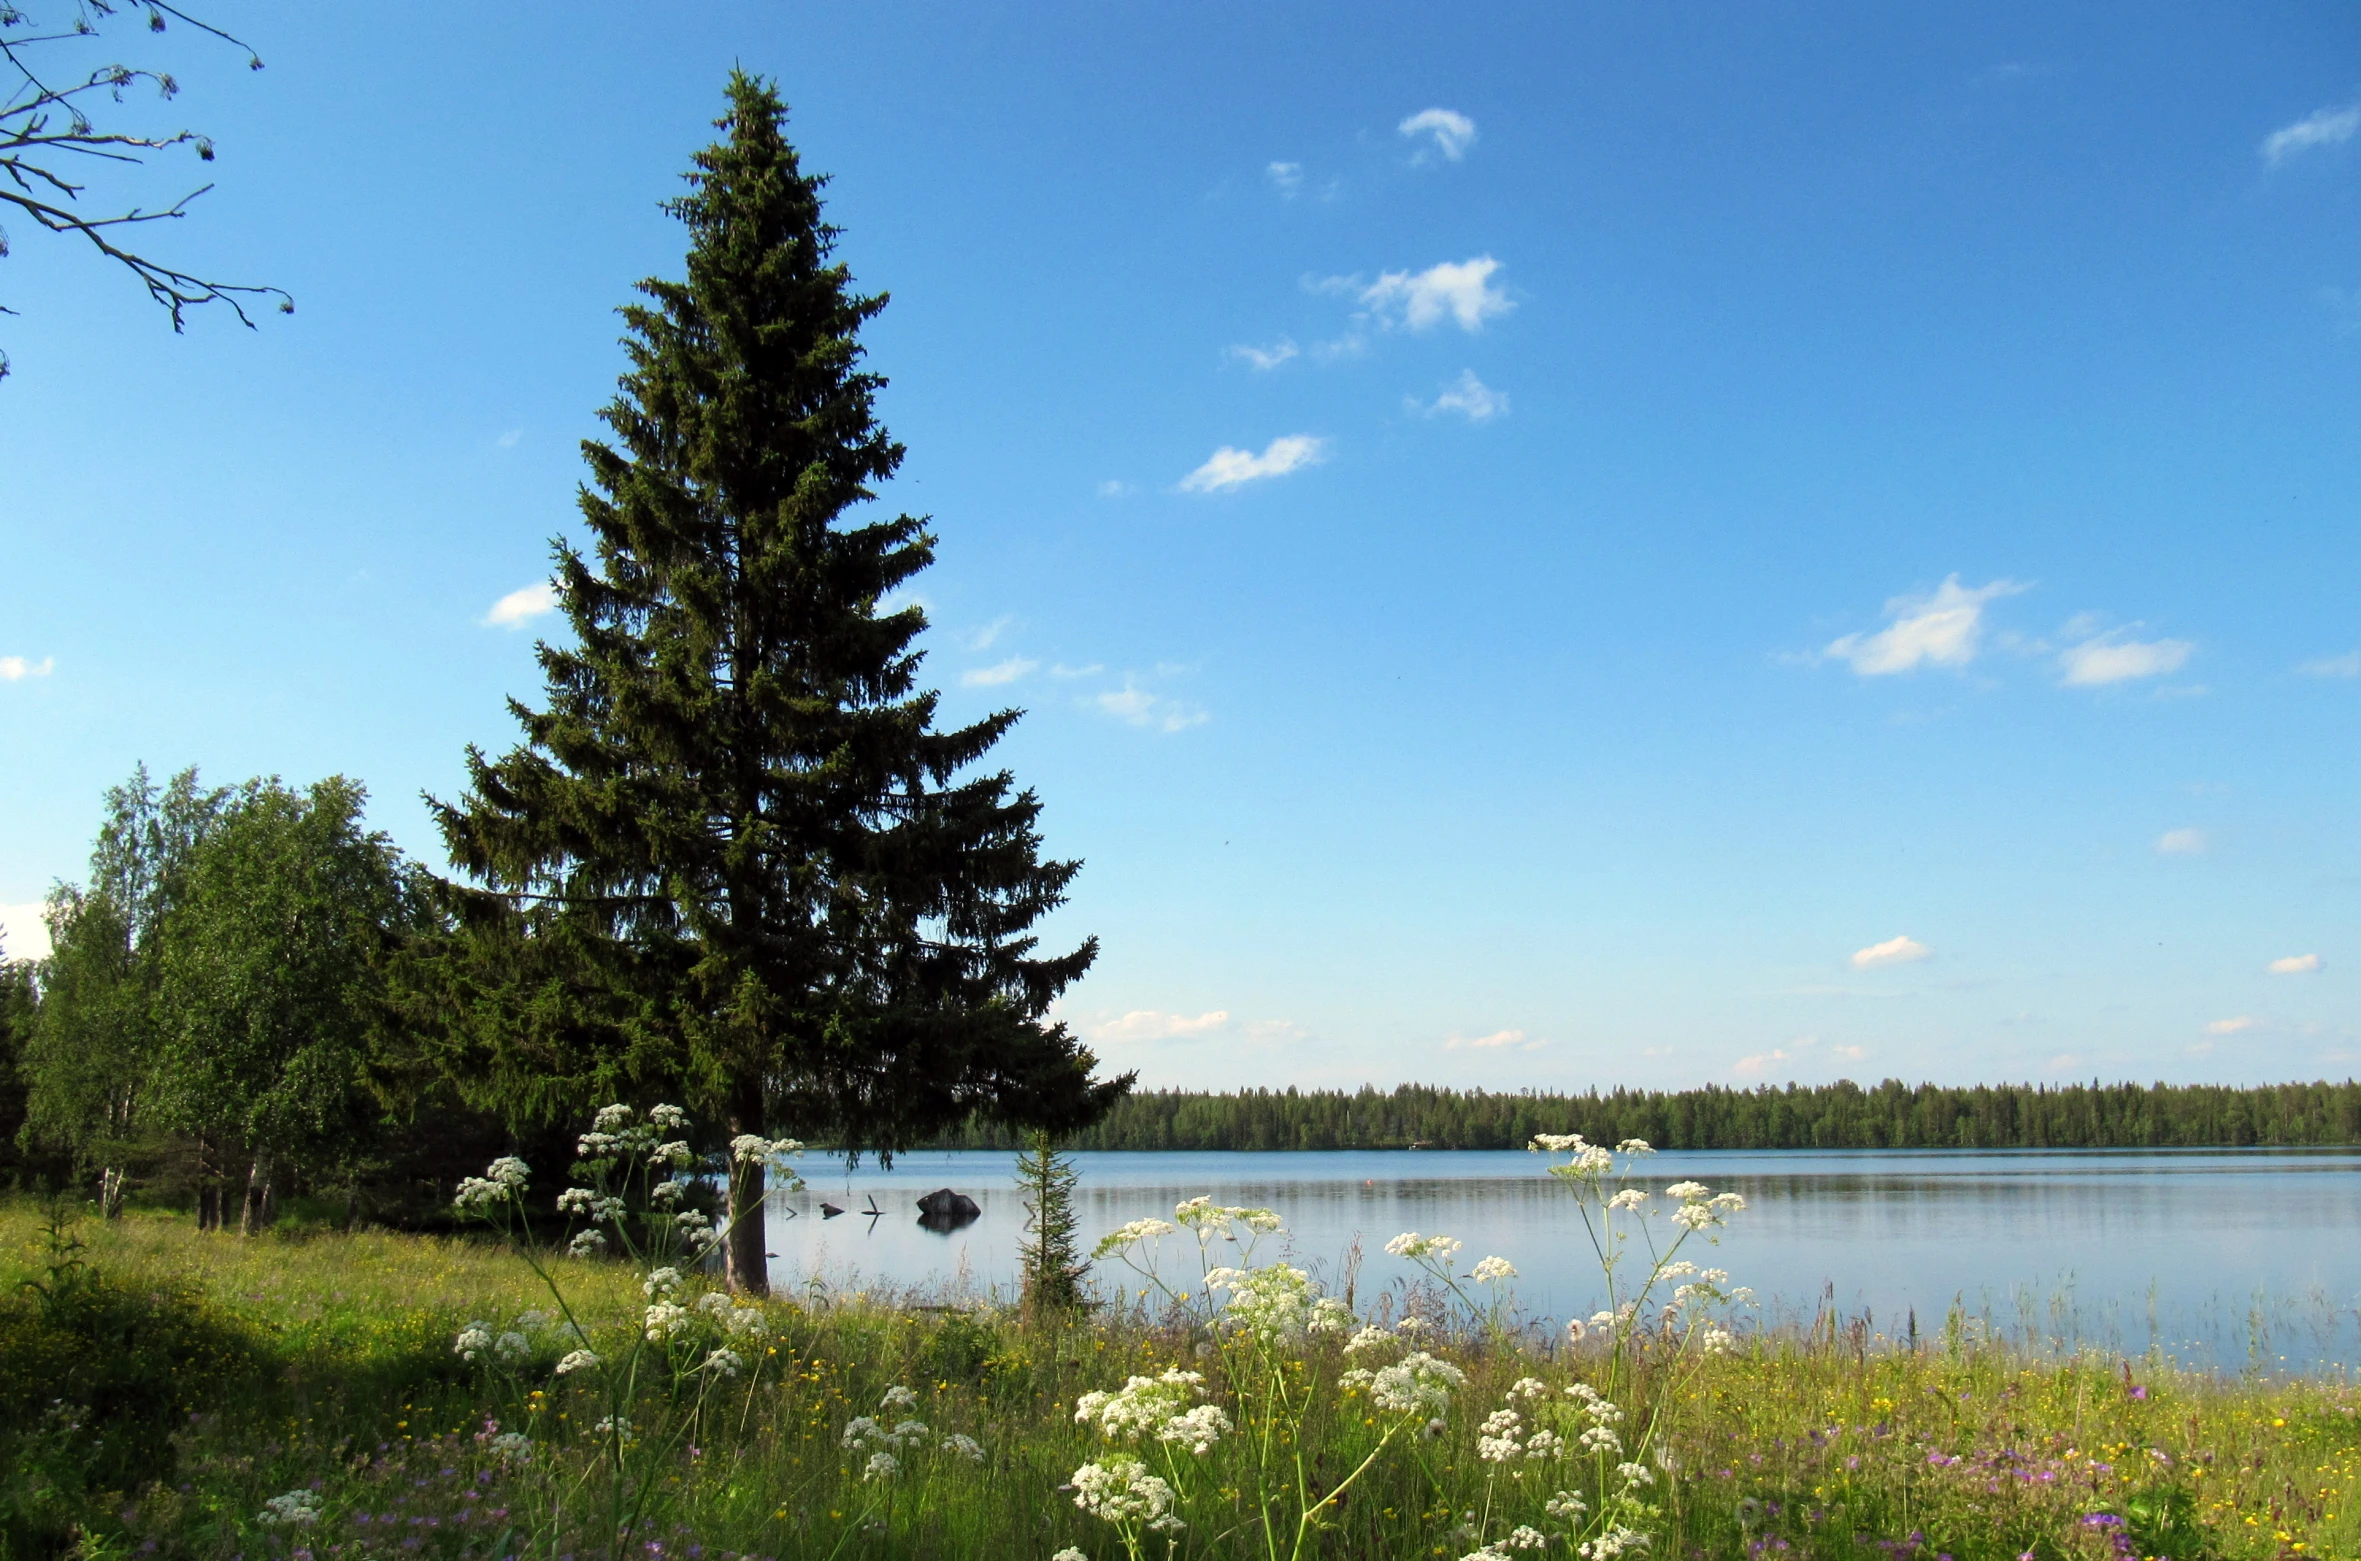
(46, 132)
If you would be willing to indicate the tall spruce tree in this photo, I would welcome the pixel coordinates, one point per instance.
(734, 857)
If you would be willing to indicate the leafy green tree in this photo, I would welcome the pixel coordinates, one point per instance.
(17, 1012)
(272, 994)
(732, 858)
(89, 1060)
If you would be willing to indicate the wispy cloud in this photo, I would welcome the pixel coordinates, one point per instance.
(2235, 1026)
(521, 606)
(1849, 1053)
(2295, 965)
(1264, 358)
(1498, 1040)
(1419, 300)
(998, 673)
(1893, 951)
(1115, 488)
(1760, 1062)
(23, 934)
(1136, 706)
(1229, 468)
(2111, 658)
(15, 669)
(1061, 670)
(1450, 131)
(2321, 127)
(1467, 395)
(2347, 665)
(2182, 842)
(507, 441)
(1286, 178)
(1943, 628)
(985, 637)
(1148, 1024)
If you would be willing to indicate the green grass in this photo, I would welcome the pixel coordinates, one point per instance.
(155, 1407)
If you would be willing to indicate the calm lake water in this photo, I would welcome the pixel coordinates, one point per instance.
(2221, 1257)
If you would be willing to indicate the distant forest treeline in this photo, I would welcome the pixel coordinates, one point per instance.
(1891, 1115)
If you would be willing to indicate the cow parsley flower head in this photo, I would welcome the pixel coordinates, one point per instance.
(662, 1320)
(1565, 1506)
(1143, 1406)
(1728, 1202)
(1695, 1216)
(1412, 1245)
(1369, 1338)
(577, 1360)
(512, 1447)
(661, 1281)
(1526, 1537)
(724, 1363)
(898, 1397)
(1197, 1430)
(1555, 1143)
(296, 1509)
(1329, 1315)
(966, 1447)
(1688, 1192)
(473, 1340)
(1527, 1387)
(1628, 1198)
(1069, 1554)
(508, 1171)
(478, 1192)
(882, 1466)
(1635, 1146)
(587, 1243)
(1417, 1384)
(1121, 1490)
(512, 1348)
(667, 1119)
(1493, 1270)
(1131, 1235)
(611, 1119)
(1617, 1541)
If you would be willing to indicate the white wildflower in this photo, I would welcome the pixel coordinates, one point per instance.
(668, 1192)
(1714, 1276)
(744, 1320)
(594, 1146)
(750, 1149)
(511, 1348)
(898, 1397)
(1602, 1319)
(1718, 1341)
(1131, 1234)
(614, 1425)
(576, 1200)
(1413, 1325)
(1526, 1537)
(1728, 1202)
(1492, 1270)
(508, 1171)
(662, 1320)
(1544, 1443)
(512, 1447)
(611, 1119)
(1635, 1473)
(1527, 1387)
(586, 1243)
(1634, 1146)
(714, 1302)
(882, 1466)
(1628, 1198)
(1370, 1338)
(473, 1340)
(1688, 1192)
(1121, 1490)
(1555, 1143)
(296, 1509)
(1196, 1430)
(667, 1119)
(1417, 1384)
(1565, 1506)
(966, 1447)
(860, 1429)
(1143, 1406)
(1576, 1331)
(1412, 1245)
(677, 1153)
(660, 1281)
(1069, 1554)
(724, 1363)
(1680, 1270)
(1329, 1315)
(1600, 1439)
(1615, 1542)
(577, 1360)
(1694, 1216)
(476, 1192)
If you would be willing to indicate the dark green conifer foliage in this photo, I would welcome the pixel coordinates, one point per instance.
(1048, 1261)
(734, 858)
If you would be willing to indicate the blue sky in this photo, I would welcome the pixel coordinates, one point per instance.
(1542, 546)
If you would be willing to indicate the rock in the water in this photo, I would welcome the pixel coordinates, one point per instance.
(944, 1204)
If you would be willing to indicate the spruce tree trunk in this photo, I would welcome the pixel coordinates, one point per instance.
(746, 1261)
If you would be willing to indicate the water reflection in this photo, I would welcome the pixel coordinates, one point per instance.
(2223, 1256)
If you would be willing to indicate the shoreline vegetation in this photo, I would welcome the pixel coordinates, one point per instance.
(1843, 1115)
(316, 1394)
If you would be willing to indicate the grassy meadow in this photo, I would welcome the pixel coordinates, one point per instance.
(166, 1392)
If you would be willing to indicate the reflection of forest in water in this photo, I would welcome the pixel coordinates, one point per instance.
(2226, 1254)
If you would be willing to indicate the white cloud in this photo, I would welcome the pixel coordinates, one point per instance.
(2347, 665)
(1136, 706)
(2321, 127)
(15, 669)
(2182, 842)
(521, 606)
(998, 673)
(1759, 1062)
(23, 934)
(1461, 289)
(1498, 1040)
(1229, 468)
(1942, 628)
(1452, 132)
(2233, 1026)
(507, 441)
(1849, 1053)
(2295, 965)
(1061, 670)
(1271, 1031)
(2109, 658)
(1893, 951)
(1468, 396)
(1147, 1024)
(1287, 178)
(1114, 488)
(983, 638)
(1265, 358)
